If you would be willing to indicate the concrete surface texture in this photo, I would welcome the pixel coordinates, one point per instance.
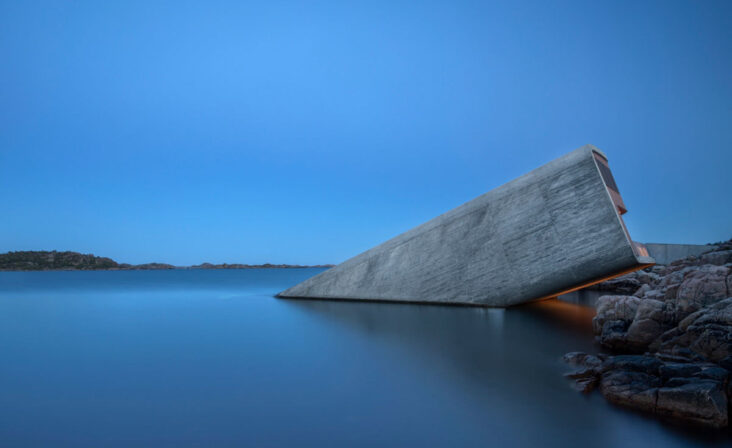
(666, 253)
(553, 229)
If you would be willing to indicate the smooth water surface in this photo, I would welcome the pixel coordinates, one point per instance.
(210, 358)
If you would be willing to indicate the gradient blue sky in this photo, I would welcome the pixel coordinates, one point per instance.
(296, 132)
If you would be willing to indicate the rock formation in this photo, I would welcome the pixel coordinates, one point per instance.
(672, 340)
(74, 261)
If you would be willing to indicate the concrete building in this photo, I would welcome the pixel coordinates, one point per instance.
(666, 253)
(555, 229)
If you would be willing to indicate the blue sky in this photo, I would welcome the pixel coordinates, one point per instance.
(306, 132)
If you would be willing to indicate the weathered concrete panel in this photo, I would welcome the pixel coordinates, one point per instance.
(553, 229)
(666, 253)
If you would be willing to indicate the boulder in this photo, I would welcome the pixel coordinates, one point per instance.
(581, 359)
(627, 284)
(677, 370)
(648, 277)
(632, 363)
(637, 390)
(715, 373)
(587, 377)
(719, 258)
(614, 334)
(693, 393)
(712, 341)
(655, 294)
(701, 287)
(680, 316)
(614, 308)
(581, 374)
(586, 385)
(726, 363)
(706, 333)
(651, 320)
(695, 400)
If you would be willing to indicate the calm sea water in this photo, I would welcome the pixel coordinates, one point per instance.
(211, 358)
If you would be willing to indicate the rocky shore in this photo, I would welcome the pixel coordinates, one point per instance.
(667, 334)
(75, 261)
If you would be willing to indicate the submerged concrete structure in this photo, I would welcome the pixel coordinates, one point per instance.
(553, 230)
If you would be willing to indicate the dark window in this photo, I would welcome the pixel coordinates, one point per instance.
(607, 176)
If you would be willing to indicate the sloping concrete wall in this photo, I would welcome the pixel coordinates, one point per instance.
(666, 253)
(547, 231)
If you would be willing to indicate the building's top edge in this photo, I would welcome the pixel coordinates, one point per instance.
(596, 150)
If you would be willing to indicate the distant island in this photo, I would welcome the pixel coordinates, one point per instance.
(74, 261)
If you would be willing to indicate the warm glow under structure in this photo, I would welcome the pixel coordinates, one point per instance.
(555, 229)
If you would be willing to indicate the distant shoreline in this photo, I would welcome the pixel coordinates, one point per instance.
(174, 268)
(75, 261)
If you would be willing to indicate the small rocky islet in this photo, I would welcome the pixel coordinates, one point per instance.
(666, 339)
(44, 260)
